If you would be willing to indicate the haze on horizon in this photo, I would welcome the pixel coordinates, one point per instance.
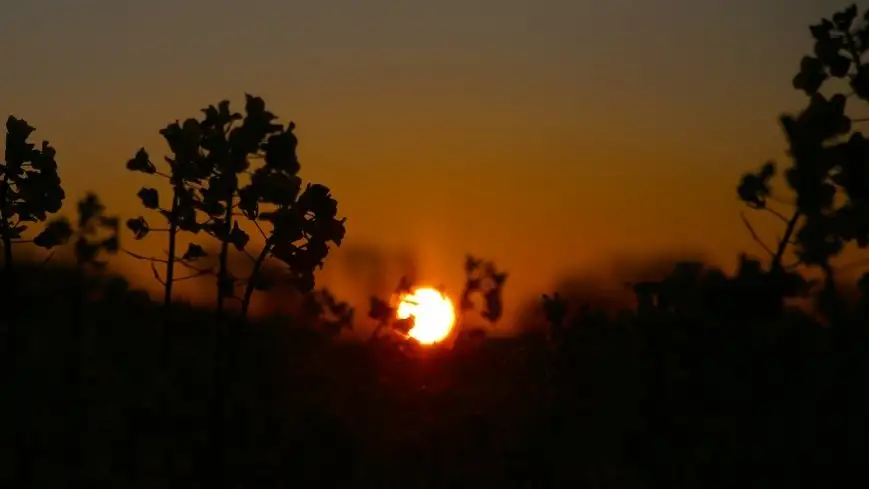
(590, 130)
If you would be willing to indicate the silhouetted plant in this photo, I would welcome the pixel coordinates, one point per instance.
(302, 225)
(185, 176)
(211, 156)
(224, 151)
(384, 312)
(97, 234)
(827, 168)
(483, 278)
(329, 313)
(712, 380)
(30, 189)
(380, 311)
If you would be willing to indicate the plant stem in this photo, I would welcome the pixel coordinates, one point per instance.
(785, 241)
(251, 283)
(223, 273)
(4, 227)
(219, 368)
(170, 279)
(22, 456)
(170, 265)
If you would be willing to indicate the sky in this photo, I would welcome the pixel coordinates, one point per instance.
(552, 136)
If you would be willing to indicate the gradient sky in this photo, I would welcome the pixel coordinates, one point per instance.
(548, 135)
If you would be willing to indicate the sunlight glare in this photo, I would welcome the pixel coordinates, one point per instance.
(432, 313)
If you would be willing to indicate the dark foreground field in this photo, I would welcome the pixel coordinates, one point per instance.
(675, 396)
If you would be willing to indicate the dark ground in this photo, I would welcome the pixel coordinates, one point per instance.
(675, 396)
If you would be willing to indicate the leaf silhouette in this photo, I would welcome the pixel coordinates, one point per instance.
(860, 83)
(194, 252)
(150, 198)
(16, 232)
(139, 227)
(811, 75)
(483, 278)
(845, 18)
(141, 162)
(238, 238)
(111, 244)
(379, 310)
(56, 233)
(839, 65)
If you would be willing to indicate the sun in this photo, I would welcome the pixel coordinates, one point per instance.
(432, 313)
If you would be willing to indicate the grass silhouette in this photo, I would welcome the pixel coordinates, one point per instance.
(692, 378)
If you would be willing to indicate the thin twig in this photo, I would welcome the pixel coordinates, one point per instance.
(192, 276)
(157, 274)
(162, 282)
(777, 214)
(186, 263)
(181, 261)
(146, 258)
(754, 234)
(263, 233)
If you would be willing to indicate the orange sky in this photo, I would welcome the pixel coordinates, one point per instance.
(549, 136)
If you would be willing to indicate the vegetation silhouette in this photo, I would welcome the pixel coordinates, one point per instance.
(30, 189)
(679, 375)
(481, 279)
(210, 157)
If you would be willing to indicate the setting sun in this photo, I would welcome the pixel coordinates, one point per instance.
(432, 313)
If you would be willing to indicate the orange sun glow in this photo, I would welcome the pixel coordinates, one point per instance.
(432, 313)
